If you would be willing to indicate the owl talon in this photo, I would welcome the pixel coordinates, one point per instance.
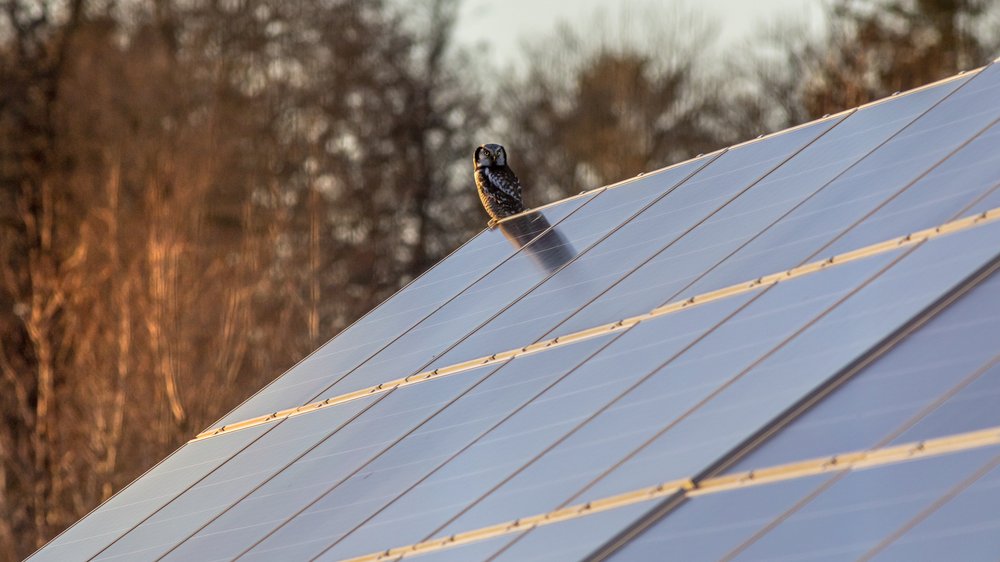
(492, 224)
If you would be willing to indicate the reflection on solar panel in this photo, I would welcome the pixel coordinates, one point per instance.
(786, 349)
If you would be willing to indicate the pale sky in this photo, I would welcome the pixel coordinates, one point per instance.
(502, 24)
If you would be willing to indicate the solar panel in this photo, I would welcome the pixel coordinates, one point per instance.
(806, 233)
(724, 358)
(949, 363)
(145, 496)
(573, 539)
(962, 527)
(711, 256)
(839, 516)
(399, 466)
(435, 334)
(413, 516)
(432, 290)
(661, 225)
(841, 519)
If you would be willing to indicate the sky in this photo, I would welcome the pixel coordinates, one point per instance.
(502, 24)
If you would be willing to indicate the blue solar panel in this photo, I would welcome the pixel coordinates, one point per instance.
(674, 217)
(151, 491)
(706, 527)
(964, 527)
(418, 513)
(807, 232)
(798, 365)
(568, 540)
(951, 353)
(448, 325)
(705, 255)
(413, 303)
(400, 466)
(843, 518)
(831, 517)
(824, 347)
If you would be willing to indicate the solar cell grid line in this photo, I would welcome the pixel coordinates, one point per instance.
(143, 496)
(488, 457)
(992, 198)
(672, 218)
(802, 233)
(395, 468)
(778, 195)
(947, 497)
(962, 528)
(704, 528)
(478, 303)
(742, 400)
(941, 357)
(711, 357)
(964, 223)
(342, 441)
(418, 299)
(572, 539)
(480, 550)
(970, 406)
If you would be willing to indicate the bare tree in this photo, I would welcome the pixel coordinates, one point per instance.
(869, 49)
(192, 196)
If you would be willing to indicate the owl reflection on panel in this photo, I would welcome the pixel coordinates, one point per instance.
(498, 187)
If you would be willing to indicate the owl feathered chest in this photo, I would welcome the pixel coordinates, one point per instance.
(499, 191)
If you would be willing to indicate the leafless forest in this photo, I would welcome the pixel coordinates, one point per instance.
(196, 193)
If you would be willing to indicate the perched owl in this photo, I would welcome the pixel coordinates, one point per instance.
(498, 187)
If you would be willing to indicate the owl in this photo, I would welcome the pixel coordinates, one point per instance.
(498, 187)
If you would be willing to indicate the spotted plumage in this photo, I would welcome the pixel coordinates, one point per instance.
(499, 190)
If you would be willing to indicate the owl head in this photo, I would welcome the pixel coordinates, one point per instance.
(489, 155)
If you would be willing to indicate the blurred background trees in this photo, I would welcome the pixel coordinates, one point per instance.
(196, 193)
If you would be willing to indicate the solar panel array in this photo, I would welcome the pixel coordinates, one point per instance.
(784, 349)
